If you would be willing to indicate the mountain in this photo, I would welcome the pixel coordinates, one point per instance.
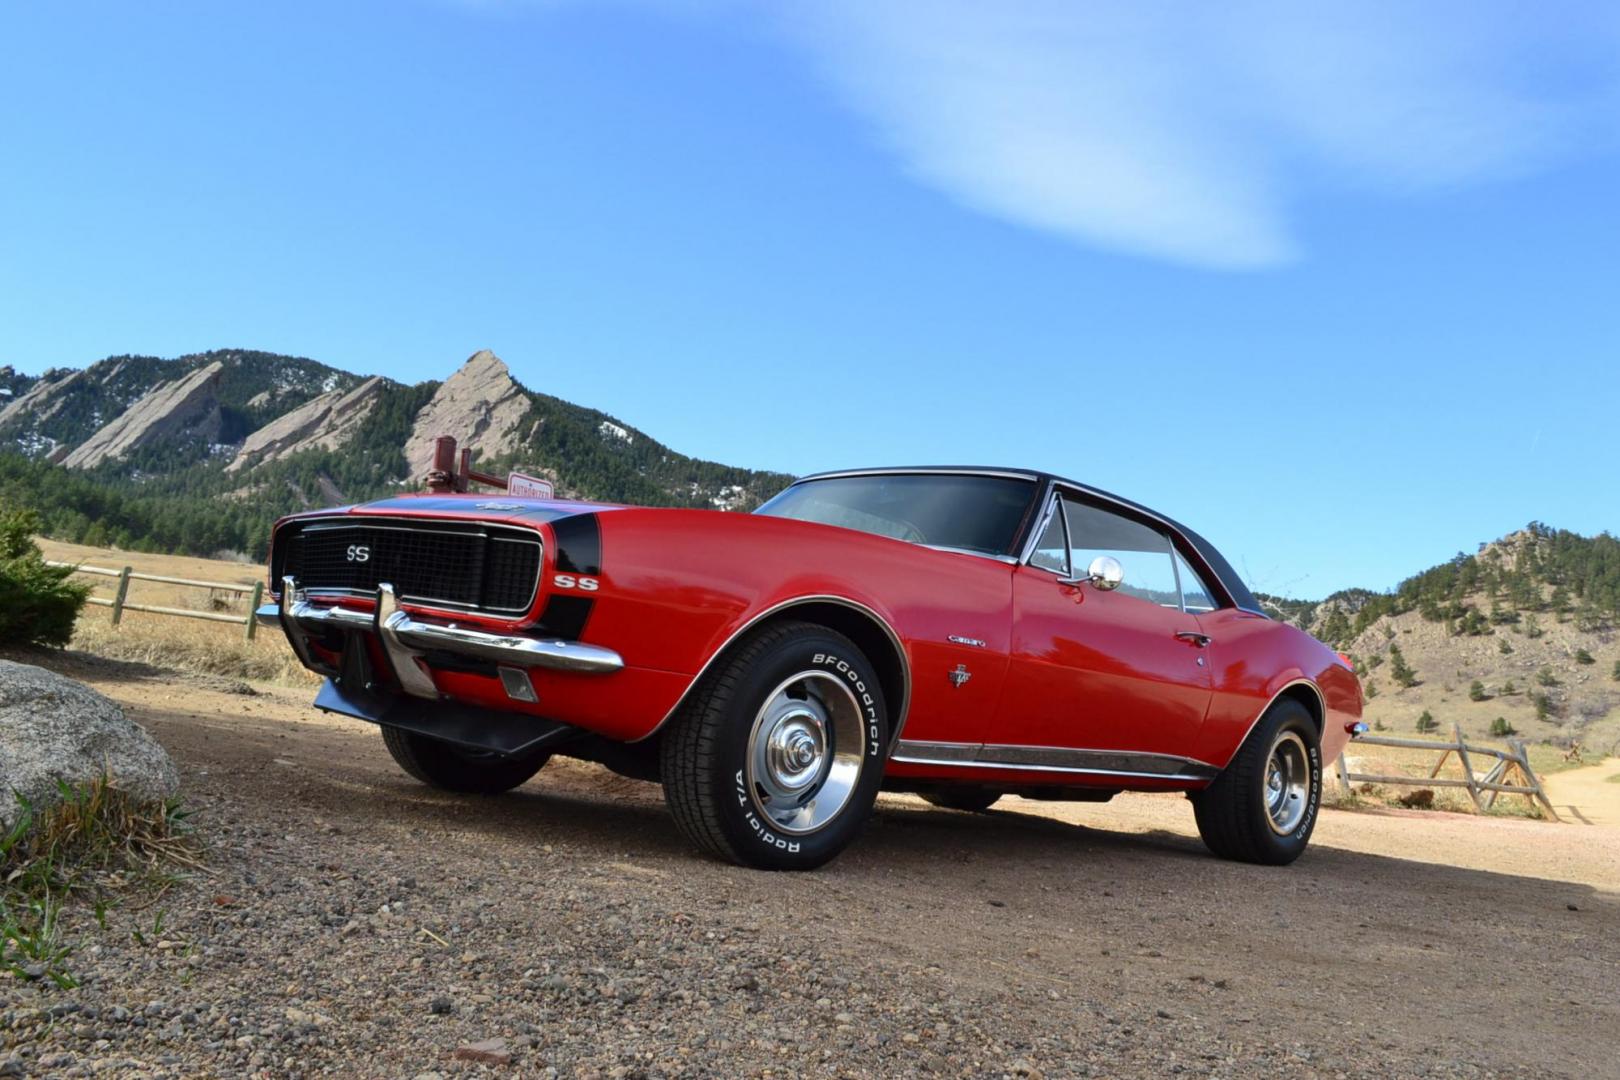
(200, 454)
(1520, 635)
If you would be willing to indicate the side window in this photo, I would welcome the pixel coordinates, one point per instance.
(1052, 549)
(1143, 551)
(1196, 595)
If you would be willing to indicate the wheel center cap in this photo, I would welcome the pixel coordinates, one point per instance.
(794, 751)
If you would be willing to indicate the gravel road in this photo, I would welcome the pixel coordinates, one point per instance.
(358, 924)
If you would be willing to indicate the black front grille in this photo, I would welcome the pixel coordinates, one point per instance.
(478, 567)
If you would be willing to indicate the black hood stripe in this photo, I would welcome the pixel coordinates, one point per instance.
(579, 544)
(579, 552)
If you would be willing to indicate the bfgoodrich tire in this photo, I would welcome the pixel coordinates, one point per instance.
(775, 759)
(449, 767)
(1262, 808)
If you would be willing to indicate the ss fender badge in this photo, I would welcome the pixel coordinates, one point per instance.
(570, 581)
(960, 676)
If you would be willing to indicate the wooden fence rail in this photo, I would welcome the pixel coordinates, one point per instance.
(1495, 782)
(121, 603)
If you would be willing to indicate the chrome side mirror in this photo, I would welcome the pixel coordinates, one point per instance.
(1105, 573)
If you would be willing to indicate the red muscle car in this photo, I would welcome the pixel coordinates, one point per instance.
(959, 633)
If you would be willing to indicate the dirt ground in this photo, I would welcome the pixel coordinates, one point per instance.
(358, 924)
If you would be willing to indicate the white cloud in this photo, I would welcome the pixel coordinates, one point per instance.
(1186, 131)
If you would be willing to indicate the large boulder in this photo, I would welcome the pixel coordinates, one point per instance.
(52, 728)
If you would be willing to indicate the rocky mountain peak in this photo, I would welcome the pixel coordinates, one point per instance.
(325, 422)
(481, 405)
(185, 406)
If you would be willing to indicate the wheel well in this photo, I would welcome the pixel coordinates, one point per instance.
(870, 636)
(1308, 696)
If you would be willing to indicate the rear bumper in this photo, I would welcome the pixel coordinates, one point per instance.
(406, 639)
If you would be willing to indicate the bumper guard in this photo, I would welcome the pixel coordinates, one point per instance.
(405, 639)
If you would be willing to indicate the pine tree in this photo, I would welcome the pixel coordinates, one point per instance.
(1476, 692)
(1501, 728)
(1399, 670)
(1426, 723)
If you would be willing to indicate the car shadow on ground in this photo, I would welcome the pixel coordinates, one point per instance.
(340, 772)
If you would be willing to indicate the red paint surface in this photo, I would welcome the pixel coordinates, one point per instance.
(1060, 665)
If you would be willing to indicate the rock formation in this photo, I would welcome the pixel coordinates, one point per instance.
(480, 405)
(186, 406)
(42, 399)
(325, 422)
(52, 728)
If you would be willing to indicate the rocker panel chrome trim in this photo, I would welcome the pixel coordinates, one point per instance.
(800, 601)
(1059, 759)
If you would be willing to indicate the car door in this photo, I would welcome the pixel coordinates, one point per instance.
(1117, 671)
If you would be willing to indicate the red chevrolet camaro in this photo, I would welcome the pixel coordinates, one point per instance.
(960, 633)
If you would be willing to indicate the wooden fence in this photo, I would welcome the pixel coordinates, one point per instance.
(121, 603)
(1482, 789)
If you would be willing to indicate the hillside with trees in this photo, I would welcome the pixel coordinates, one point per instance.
(180, 494)
(1519, 638)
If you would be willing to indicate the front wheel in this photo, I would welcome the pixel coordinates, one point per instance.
(775, 760)
(453, 768)
(1262, 808)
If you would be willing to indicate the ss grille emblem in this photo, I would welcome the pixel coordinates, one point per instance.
(359, 553)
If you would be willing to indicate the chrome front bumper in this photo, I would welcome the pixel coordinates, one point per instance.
(405, 639)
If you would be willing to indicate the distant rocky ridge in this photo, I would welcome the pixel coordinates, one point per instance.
(188, 406)
(205, 449)
(325, 422)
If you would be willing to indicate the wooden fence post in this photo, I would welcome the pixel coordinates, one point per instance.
(118, 597)
(1344, 777)
(253, 610)
(1468, 767)
(1530, 774)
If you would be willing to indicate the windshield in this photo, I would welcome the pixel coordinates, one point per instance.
(961, 511)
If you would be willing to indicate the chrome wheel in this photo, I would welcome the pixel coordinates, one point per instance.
(1287, 790)
(805, 752)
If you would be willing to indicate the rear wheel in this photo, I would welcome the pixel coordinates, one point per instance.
(967, 799)
(775, 759)
(455, 768)
(1262, 808)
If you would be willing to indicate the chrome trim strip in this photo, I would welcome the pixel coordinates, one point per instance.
(919, 470)
(1058, 759)
(799, 601)
(1008, 559)
(401, 633)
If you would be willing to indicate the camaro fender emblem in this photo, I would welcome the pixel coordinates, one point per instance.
(960, 676)
(958, 639)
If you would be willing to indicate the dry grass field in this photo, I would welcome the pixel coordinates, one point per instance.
(191, 645)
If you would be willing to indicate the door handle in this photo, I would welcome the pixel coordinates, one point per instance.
(1200, 640)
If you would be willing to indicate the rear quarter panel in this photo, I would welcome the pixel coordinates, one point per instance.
(1255, 660)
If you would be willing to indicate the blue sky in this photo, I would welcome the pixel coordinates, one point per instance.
(1337, 284)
